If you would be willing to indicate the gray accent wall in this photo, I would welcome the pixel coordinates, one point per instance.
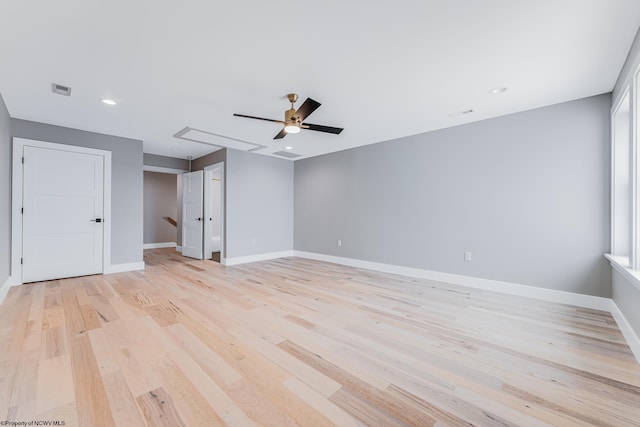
(210, 159)
(527, 194)
(165, 162)
(160, 201)
(5, 193)
(259, 204)
(126, 180)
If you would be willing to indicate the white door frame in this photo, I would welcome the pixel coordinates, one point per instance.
(16, 200)
(207, 204)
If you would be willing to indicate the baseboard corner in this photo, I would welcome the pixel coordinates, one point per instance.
(255, 258)
(4, 289)
(121, 268)
(159, 245)
(629, 334)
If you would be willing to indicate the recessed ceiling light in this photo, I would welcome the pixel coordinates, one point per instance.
(497, 90)
(288, 148)
(109, 102)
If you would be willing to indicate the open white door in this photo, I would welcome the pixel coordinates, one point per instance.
(192, 214)
(62, 228)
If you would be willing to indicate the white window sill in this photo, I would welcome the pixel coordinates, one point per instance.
(621, 265)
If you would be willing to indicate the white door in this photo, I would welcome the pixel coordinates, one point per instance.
(192, 214)
(62, 228)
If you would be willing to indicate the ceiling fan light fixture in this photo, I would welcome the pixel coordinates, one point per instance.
(292, 128)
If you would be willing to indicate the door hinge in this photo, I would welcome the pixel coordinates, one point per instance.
(21, 261)
(23, 160)
(22, 211)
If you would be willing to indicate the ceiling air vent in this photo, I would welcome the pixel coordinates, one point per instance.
(60, 89)
(287, 154)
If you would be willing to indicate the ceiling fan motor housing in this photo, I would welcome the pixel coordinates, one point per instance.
(289, 117)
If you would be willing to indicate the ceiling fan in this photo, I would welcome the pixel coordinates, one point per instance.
(293, 118)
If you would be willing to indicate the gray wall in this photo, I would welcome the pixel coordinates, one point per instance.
(126, 180)
(259, 204)
(210, 159)
(165, 162)
(160, 200)
(5, 193)
(527, 194)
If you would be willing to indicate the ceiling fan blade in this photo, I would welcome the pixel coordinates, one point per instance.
(280, 135)
(307, 107)
(259, 118)
(321, 128)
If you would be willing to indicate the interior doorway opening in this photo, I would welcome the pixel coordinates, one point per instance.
(214, 212)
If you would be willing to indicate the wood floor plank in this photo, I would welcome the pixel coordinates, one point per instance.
(92, 403)
(294, 341)
(123, 406)
(55, 387)
(158, 409)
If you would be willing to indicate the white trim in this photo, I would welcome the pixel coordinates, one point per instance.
(159, 245)
(627, 331)
(588, 301)
(160, 169)
(4, 290)
(121, 268)
(634, 251)
(562, 297)
(206, 207)
(255, 258)
(179, 248)
(615, 147)
(621, 265)
(16, 199)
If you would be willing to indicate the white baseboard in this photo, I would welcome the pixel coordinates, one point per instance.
(4, 290)
(255, 258)
(159, 245)
(588, 301)
(179, 249)
(627, 331)
(121, 268)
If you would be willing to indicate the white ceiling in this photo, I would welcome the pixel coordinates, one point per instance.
(381, 69)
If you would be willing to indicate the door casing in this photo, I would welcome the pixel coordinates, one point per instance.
(17, 200)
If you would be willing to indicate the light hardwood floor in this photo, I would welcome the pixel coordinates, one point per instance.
(300, 342)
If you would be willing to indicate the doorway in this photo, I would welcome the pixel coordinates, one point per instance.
(214, 212)
(61, 210)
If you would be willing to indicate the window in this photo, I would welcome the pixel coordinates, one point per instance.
(625, 178)
(621, 179)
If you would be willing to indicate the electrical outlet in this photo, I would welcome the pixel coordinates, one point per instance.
(339, 243)
(467, 256)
